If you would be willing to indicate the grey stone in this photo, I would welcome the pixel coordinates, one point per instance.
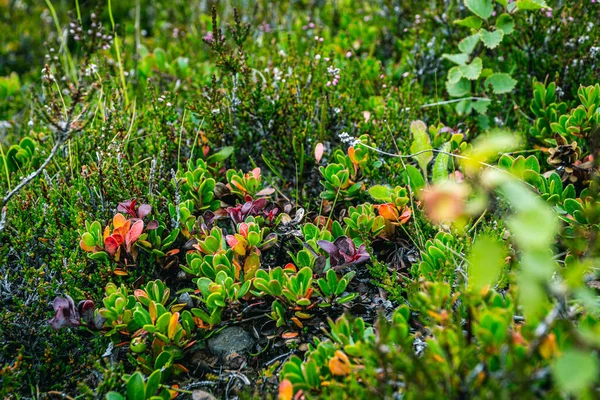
(185, 298)
(230, 341)
(202, 395)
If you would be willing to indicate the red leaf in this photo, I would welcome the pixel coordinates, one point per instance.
(118, 237)
(111, 245)
(133, 234)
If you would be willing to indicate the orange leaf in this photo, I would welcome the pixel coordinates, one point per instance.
(289, 335)
(388, 211)
(286, 390)
(123, 229)
(405, 216)
(298, 323)
(339, 365)
(118, 221)
(352, 155)
(120, 272)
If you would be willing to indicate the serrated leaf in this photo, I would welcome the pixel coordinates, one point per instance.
(501, 82)
(454, 74)
(460, 88)
(460, 59)
(481, 8)
(472, 70)
(506, 24)
(492, 39)
(531, 4)
(481, 106)
(420, 143)
(468, 44)
(471, 21)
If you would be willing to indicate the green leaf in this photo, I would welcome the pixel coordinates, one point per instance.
(460, 59)
(88, 239)
(99, 256)
(414, 179)
(473, 70)
(440, 168)
(468, 44)
(531, 4)
(454, 74)
(135, 387)
(481, 105)
(492, 39)
(459, 89)
(221, 155)
(114, 396)
(506, 24)
(486, 261)
(501, 83)
(153, 383)
(420, 143)
(381, 193)
(572, 205)
(481, 8)
(576, 370)
(471, 21)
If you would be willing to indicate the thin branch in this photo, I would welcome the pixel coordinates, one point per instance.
(28, 179)
(64, 131)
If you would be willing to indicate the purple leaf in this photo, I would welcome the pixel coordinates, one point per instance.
(144, 210)
(65, 314)
(152, 225)
(86, 310)
(329, 247)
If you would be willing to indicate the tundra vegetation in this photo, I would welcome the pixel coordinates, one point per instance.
(299, 199)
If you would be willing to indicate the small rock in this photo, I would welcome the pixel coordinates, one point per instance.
(202, 395)
(230, 340)
(185, 298)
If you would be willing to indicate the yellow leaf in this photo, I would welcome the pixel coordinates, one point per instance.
(339, 365)
(173, 325)
(549, 348)
(153, 311)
